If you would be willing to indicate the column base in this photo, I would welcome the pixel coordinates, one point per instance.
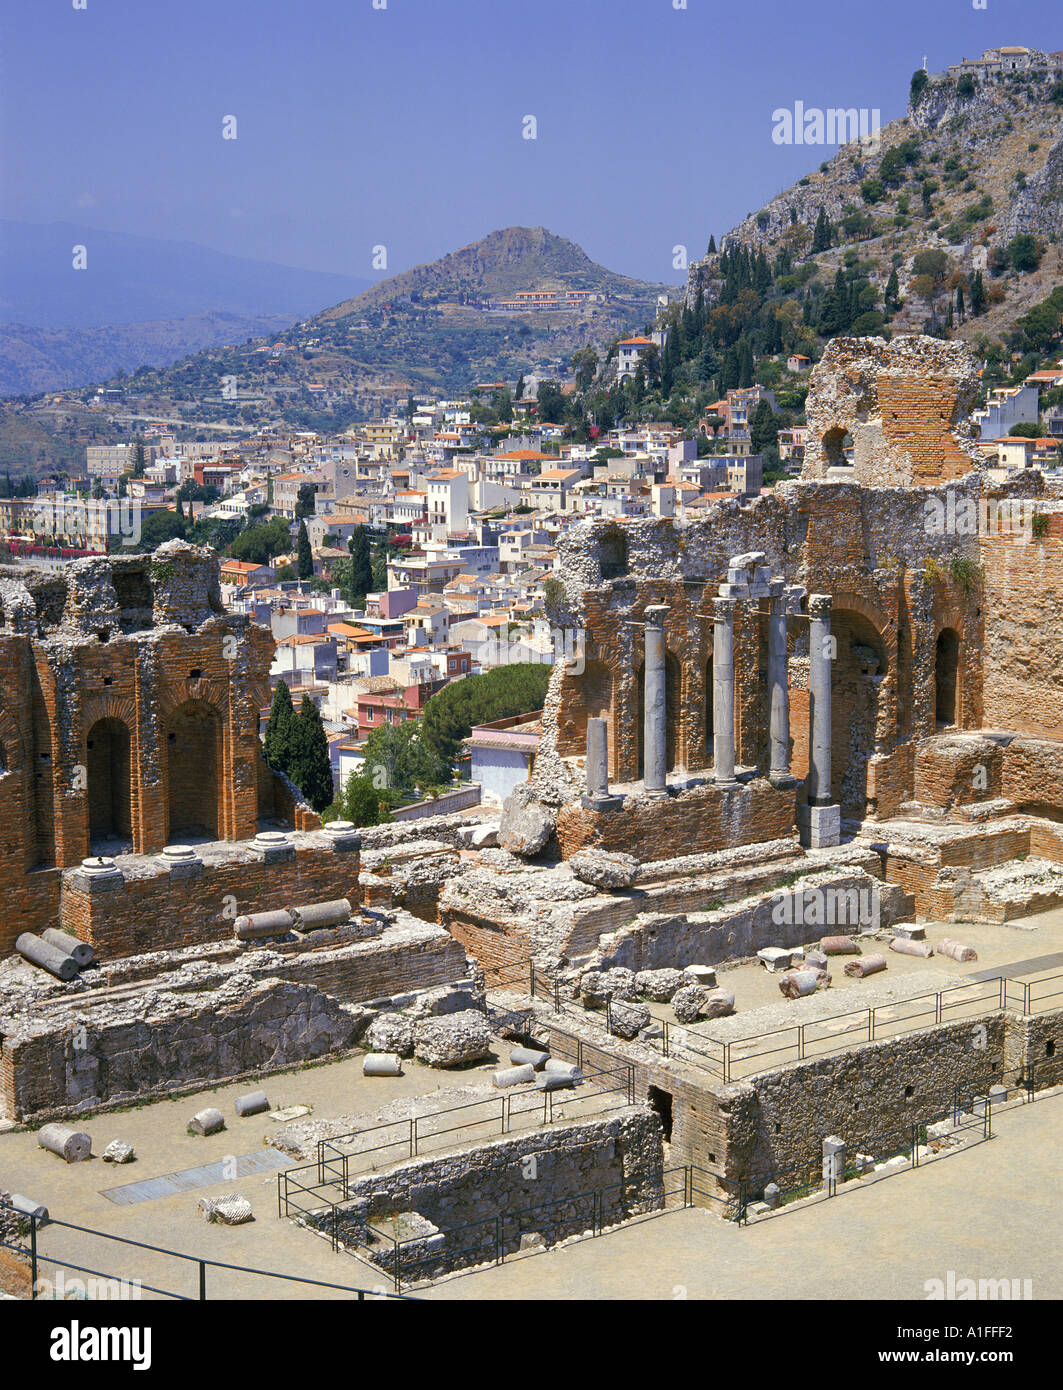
(782, 781)
(820, 826)
(657, 792)
(601, 803)
(731, 785)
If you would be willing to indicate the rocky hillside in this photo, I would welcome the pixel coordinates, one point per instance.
(969, 168)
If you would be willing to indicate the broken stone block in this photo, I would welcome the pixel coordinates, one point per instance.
(660, 985)
(701, 975)
(532, 1240)
(391, 1033)
(69, 1144)
(839, 946)
(254, 1103)
(904, 947)
(772, 1195)
(526, 824)
(230, 1210)
(382, 1064)
(289, 1113)
(208, 1121)
(513, 1076)
(719, 1003)
(910, 931)
(452, 1040)
(629, 1019)
(775, 958)
(956, 950)
(596, 986)
(815, 960)
(483, 836)
(866, 965)
(687, 1003)
(528, 1056)
(604, 869)
(117, 1152)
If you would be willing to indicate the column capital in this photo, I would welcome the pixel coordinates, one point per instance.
(654, 615)
(819, 605)
(724, 609)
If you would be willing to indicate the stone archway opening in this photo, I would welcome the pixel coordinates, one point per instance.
(835, 444)
(946, 677)
(193, 772)
(109, 774)
(857, 673)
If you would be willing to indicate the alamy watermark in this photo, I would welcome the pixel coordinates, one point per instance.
(827, 907)
(101, 519)
(837, 125)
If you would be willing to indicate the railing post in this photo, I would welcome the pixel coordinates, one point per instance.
(413, 1137)
(937, 1007)
(1027, 986)
(531, 980)
(801, 1043)
(915, 1146)
(727, 1061)
(33, 1255)
(871, 1025)
(557, 996)
(346, 1175)
(202, 1279)
(664, 1040)
(500, 1245)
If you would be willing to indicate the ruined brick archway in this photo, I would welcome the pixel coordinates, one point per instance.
(193, 771)
(108, 764)
(858, 709)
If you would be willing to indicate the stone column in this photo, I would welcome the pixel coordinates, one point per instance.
(597, 758)
(819, 649)
(778, 690)
(655, 728)
(597, 796)
(823, 816)
(723, 692)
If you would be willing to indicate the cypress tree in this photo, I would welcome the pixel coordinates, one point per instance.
(893, 291)
(712, 246)
(305, 555)
(361, 565)
(978, 295)
(276, 747)
(821, 237)
(310, 768)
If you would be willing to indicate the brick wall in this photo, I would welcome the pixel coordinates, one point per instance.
(142, 914)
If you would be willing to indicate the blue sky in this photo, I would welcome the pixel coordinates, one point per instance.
(403, 126)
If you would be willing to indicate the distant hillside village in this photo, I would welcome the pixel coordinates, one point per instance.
(415, 550)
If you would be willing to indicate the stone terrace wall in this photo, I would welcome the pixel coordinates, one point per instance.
(480, 1184)
(162, 1042)
(156, 907)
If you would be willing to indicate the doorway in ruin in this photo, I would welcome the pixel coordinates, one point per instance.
(946, 676)
(661, 1102)
(193, 772)
(108, 769)
(857, 674)
(673, 677)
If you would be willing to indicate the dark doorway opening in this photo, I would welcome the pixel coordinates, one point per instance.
(661, 1102)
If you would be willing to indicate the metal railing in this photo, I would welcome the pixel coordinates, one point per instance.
(739, 1057)
(31, 1250)
(608, 1088)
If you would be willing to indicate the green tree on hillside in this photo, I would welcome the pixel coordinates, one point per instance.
(398, 758)
(450, 714)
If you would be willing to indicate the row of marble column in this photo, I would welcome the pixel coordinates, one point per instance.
(655, 729)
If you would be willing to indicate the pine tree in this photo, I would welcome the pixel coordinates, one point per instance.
(310, 767)
(276, 747)
(305, 556)
(361, 566)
